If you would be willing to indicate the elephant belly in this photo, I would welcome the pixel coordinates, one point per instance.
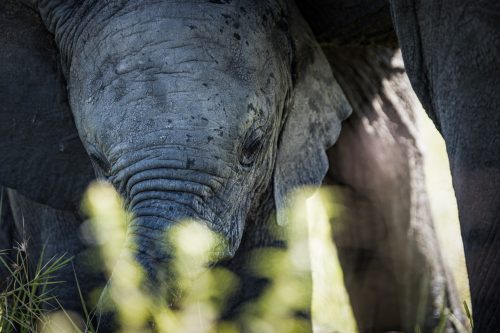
(350, 21)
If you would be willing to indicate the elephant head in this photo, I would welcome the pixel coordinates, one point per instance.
(190, 109)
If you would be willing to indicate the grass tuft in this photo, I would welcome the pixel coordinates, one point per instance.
(26, 295)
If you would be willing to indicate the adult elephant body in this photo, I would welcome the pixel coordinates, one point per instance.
(451, 52)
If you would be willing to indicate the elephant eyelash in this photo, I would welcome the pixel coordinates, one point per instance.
(99, 162)
(101, 165)
(252, 145)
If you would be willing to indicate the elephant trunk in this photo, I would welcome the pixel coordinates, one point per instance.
(164, 189)
(149, 231)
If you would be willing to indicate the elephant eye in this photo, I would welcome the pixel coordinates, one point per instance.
(251, 147)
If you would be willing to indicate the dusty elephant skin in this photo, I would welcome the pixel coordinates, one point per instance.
(191, 110)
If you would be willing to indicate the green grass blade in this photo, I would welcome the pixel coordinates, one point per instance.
(468, 314)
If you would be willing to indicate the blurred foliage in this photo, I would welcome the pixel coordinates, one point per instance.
(200, 292)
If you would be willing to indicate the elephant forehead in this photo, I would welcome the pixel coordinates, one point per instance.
(170, 87)
(206, 109)
(224, 65)
(183, 39)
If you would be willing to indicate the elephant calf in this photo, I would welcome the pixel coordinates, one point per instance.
(190, 109)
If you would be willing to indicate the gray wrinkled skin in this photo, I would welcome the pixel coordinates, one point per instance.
(181, 126)
(184, 121)
(190, 109)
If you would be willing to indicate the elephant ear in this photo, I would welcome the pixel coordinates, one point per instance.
(314, 115)
(41, 154)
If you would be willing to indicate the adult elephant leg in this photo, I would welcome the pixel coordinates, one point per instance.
(386, 240)
(451, 51)
(57, 234)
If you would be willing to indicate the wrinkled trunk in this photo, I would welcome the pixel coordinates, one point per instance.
(164, 187)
